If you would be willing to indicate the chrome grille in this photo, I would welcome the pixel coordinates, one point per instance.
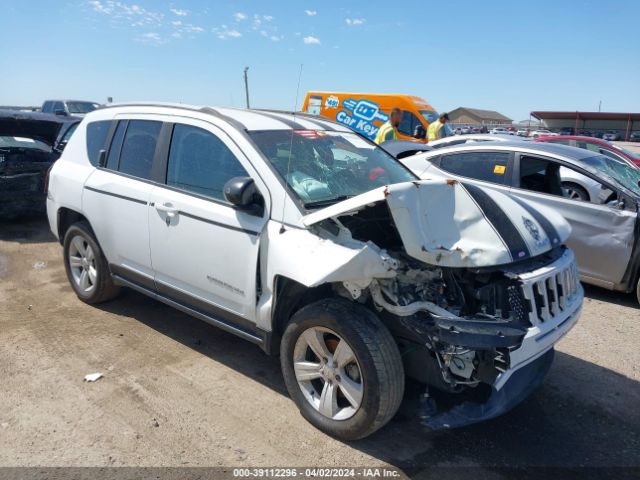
(551, 293)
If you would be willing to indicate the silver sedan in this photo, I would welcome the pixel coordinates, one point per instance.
(604, 228)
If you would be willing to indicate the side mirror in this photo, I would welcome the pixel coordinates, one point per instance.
(419, 132)
(62, 113)
(242, 192)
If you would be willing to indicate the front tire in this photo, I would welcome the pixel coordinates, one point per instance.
(342, 368)
(86, 266)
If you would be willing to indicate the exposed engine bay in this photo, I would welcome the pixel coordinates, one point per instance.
(457, 326)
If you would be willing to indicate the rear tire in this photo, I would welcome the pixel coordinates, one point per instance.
(354, 384)
(86, 266)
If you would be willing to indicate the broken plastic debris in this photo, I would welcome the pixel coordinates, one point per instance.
(40, 265)
(92, 377)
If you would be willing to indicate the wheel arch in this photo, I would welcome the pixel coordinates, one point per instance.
(289, 297)
(67, 217)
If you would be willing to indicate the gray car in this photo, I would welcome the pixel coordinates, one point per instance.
(605, 229)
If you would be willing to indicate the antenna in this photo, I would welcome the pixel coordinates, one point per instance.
(295, 107)
(246, 85)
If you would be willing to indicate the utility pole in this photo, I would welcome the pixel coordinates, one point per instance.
(600, 105)
(246, 85)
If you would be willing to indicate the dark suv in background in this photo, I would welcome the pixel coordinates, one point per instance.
(77, 108)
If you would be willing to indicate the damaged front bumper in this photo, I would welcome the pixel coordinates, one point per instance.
(520, 385)
(555, 297)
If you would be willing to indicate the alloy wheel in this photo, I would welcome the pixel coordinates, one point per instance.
(328, 373)
(82, 263)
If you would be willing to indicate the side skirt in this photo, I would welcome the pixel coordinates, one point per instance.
(259, 337)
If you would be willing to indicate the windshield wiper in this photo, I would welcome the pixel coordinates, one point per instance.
(327, 202)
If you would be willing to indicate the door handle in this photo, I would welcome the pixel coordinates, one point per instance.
(167, 208)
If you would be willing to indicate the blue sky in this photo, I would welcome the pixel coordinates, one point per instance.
(511, 56)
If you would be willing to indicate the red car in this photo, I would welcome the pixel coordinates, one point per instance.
(595, 145)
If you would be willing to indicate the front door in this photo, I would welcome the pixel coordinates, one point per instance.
(204, 251)
(602, 232)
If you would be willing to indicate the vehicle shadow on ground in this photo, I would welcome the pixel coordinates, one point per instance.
(609, 296)
(32, 229)
(583, 415)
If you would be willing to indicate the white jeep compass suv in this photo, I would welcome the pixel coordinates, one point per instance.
(310, 241)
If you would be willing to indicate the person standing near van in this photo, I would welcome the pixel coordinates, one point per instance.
(389, 130)
(437, 130)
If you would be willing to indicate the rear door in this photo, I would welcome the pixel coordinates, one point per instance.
(597, 226)
(118, 194)
(492, 169)
(205, 251)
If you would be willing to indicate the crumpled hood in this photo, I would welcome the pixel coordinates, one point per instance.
(454, 224)
(38, 126)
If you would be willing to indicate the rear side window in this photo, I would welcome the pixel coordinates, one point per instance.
(139, 147)
(46, 108)
(200, 162)
(486, 166)
(97, 133)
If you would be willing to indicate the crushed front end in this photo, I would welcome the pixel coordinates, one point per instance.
(482, 336)
(476, 290)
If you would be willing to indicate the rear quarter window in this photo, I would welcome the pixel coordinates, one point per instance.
(97, 133)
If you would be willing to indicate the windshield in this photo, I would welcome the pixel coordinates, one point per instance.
(429, 115)
(23, 142)
(624, 173)
(627, 152)
(325, 167)
(81, 107)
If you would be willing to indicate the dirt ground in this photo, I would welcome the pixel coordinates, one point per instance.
(178, 392)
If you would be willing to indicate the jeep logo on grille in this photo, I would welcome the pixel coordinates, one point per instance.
(531, 228)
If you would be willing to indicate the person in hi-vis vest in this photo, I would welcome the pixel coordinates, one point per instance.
(389, 131)
(436, 130)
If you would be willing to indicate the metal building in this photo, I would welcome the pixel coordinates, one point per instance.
(475, 116)
(593, 122)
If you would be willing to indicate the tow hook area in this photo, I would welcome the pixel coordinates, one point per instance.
(519, 386)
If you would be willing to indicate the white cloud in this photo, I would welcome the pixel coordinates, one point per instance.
(275, 38)
(311, 40)
(239, 16)
(129, 14)
(354, 22)
(223, 33)
(311, 13)
(151, 38)
(267, 18)
(179, 12)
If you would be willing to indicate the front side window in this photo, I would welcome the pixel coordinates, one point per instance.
(324, 167)
(96, 139)
(485, 166)
(200, 162)
(429, 115)
(138, 148)
(543, 176)
(408, 124)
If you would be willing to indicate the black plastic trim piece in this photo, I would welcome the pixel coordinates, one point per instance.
(218, 224)
(117, 195)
